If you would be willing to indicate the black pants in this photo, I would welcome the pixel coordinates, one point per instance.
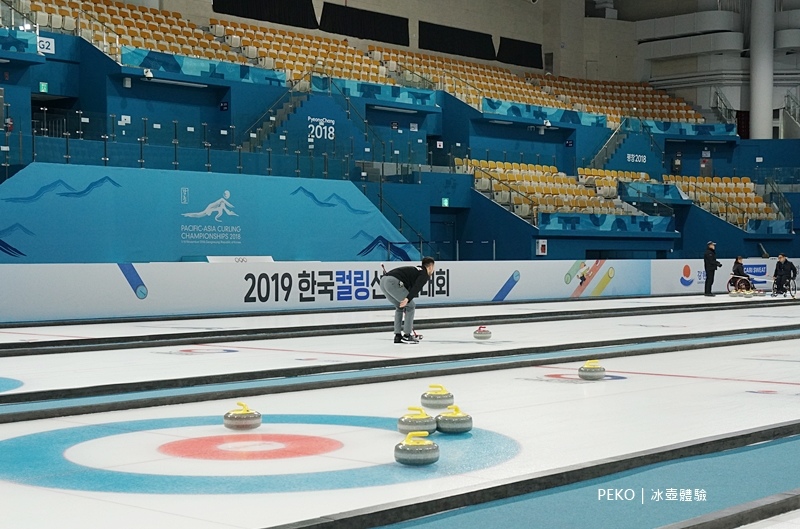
(780, 283)
(710, 280)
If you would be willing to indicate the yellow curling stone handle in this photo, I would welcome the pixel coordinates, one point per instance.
(592, 364)
(455, 413)
(437, 389)
(242, 410)
(420, 413)
(411, 439)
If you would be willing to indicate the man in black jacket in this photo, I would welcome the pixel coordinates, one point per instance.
(784, 271)
(711, 264)
(401, 285)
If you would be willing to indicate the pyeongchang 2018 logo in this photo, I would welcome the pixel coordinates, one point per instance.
(686, 278)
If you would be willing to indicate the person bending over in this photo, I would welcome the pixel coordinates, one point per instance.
(400, 286)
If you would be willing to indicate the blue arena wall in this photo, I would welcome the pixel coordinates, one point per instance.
(79, 214)
(198, 129)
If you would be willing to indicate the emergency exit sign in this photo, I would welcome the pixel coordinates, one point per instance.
(43, 87)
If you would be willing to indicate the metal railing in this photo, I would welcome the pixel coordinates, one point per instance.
(413, 79)
(786, 178)
(444, 80)
(522, 199)
(461, 89)
(722, 105)
(403, 225)
(646, 202)
(267, 123)
(643, 127)
(85, 25)
(371, 137)
(775, 196)
(80, 137)
(12, 17)
(792, 106)
(716, 204)
(612, 142)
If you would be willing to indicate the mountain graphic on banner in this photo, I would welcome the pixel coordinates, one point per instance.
(91, 187)
(41, 192)
(396, 253)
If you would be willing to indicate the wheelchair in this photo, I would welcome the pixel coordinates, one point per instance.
(738, 284)
(790, 288)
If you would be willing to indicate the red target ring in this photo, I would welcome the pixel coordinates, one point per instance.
(244, 447)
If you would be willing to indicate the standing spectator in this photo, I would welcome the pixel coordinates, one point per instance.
(784, 271)
(401, 285)
(711, 264)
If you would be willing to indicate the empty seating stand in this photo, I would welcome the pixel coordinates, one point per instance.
(528, 189)
(731, 198)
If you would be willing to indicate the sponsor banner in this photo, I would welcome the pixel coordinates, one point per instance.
(241, 285)
(85, 291)
(689, 277)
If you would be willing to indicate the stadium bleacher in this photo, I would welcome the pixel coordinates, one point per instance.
(112, 24)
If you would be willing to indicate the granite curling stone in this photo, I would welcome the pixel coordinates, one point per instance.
(242, 419)
(416, 422)
(454, 421)
(592, 370)
(482, 333)
(416, 452)
(437, 397)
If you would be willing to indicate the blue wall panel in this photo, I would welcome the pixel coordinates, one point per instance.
(515, 143)
(587, 142)
(74, 214)
(409, 201)
(513, 237)
(722, 156)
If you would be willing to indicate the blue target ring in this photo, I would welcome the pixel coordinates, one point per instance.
(7, 384)
(38, 460)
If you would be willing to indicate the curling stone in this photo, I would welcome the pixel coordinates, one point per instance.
(454, 421)
(414, 451)
(437, 397)
(482, 333)
(592, 370)
(748, 294)
(416, 422)
(733, 294)
(760, 293)
(242, 419)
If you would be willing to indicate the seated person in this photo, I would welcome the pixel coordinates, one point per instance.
(739, 279)
(784, 271)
